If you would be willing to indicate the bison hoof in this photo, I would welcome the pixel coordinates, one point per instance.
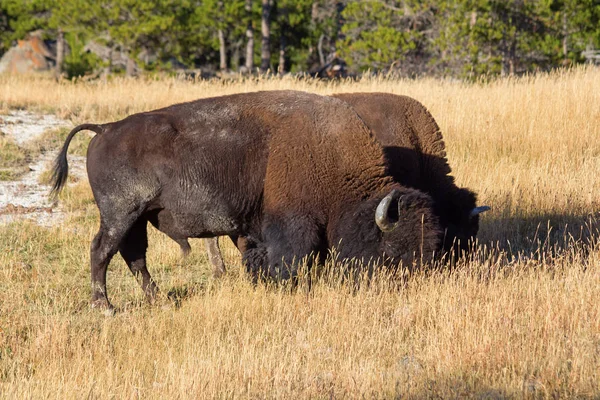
(151, 296)
(104, 306)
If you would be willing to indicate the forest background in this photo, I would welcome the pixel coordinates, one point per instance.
(444, 38)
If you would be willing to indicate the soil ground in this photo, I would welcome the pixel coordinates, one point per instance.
(27, 197)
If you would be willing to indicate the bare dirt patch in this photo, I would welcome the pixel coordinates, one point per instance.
(26, 197)
(24, 126)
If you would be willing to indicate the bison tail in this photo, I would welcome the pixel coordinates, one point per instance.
(61, 167)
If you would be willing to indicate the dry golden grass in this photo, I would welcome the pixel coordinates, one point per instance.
(521, 320)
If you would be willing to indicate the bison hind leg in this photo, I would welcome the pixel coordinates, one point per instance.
(133, 250)
(113, 230)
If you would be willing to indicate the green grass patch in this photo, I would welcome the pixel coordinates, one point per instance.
(9, 174)
(78, 197)
(45, 177)
(13, 159)
(53, 140)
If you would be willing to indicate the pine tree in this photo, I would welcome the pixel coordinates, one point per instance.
(289, 29)
(381, 36)
(489, 36)
(579, 22)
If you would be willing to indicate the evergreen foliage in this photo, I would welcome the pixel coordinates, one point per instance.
(461, 38)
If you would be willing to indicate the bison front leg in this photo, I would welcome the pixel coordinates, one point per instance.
(102, 250)
(241, 242)
(184, 246)
(256, 260)
(133, 250)
(214, 256)
(286, 244)
(116, 228)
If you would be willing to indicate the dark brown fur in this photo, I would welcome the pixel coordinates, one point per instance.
(294, 173)
(416, 157)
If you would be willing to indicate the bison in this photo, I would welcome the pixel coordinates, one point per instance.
(415, 157)
(294, 173)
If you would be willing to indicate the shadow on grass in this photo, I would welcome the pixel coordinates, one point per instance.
(178, 294)
(548, 234)
(469, 388)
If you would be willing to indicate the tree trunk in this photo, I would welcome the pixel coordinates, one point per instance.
(320, 50)
(473, 19)
(235, 56)
(339, 22)
(250, 37)
(130, 66)
(284, 25)
(265, 51)
(513, 57)
(314, 12)
(565, 34)
(222, 51)
(60, 53)
(281, 67)
(505, 64)
(108, 68)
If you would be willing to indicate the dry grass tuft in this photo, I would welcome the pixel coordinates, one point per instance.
(520, 320)
(13, 159)
(53, 140)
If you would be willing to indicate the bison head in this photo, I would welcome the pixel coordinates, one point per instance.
(396, 226)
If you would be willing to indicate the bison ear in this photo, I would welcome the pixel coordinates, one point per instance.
(386, 217)
(478, 210)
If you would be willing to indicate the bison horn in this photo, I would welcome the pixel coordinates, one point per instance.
(382, 218)
(478, 210)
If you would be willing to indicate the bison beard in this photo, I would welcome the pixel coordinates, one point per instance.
(293, 173)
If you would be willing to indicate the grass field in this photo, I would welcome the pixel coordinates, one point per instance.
(521, 320)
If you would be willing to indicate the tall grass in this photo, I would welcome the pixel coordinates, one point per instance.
(520, 320)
